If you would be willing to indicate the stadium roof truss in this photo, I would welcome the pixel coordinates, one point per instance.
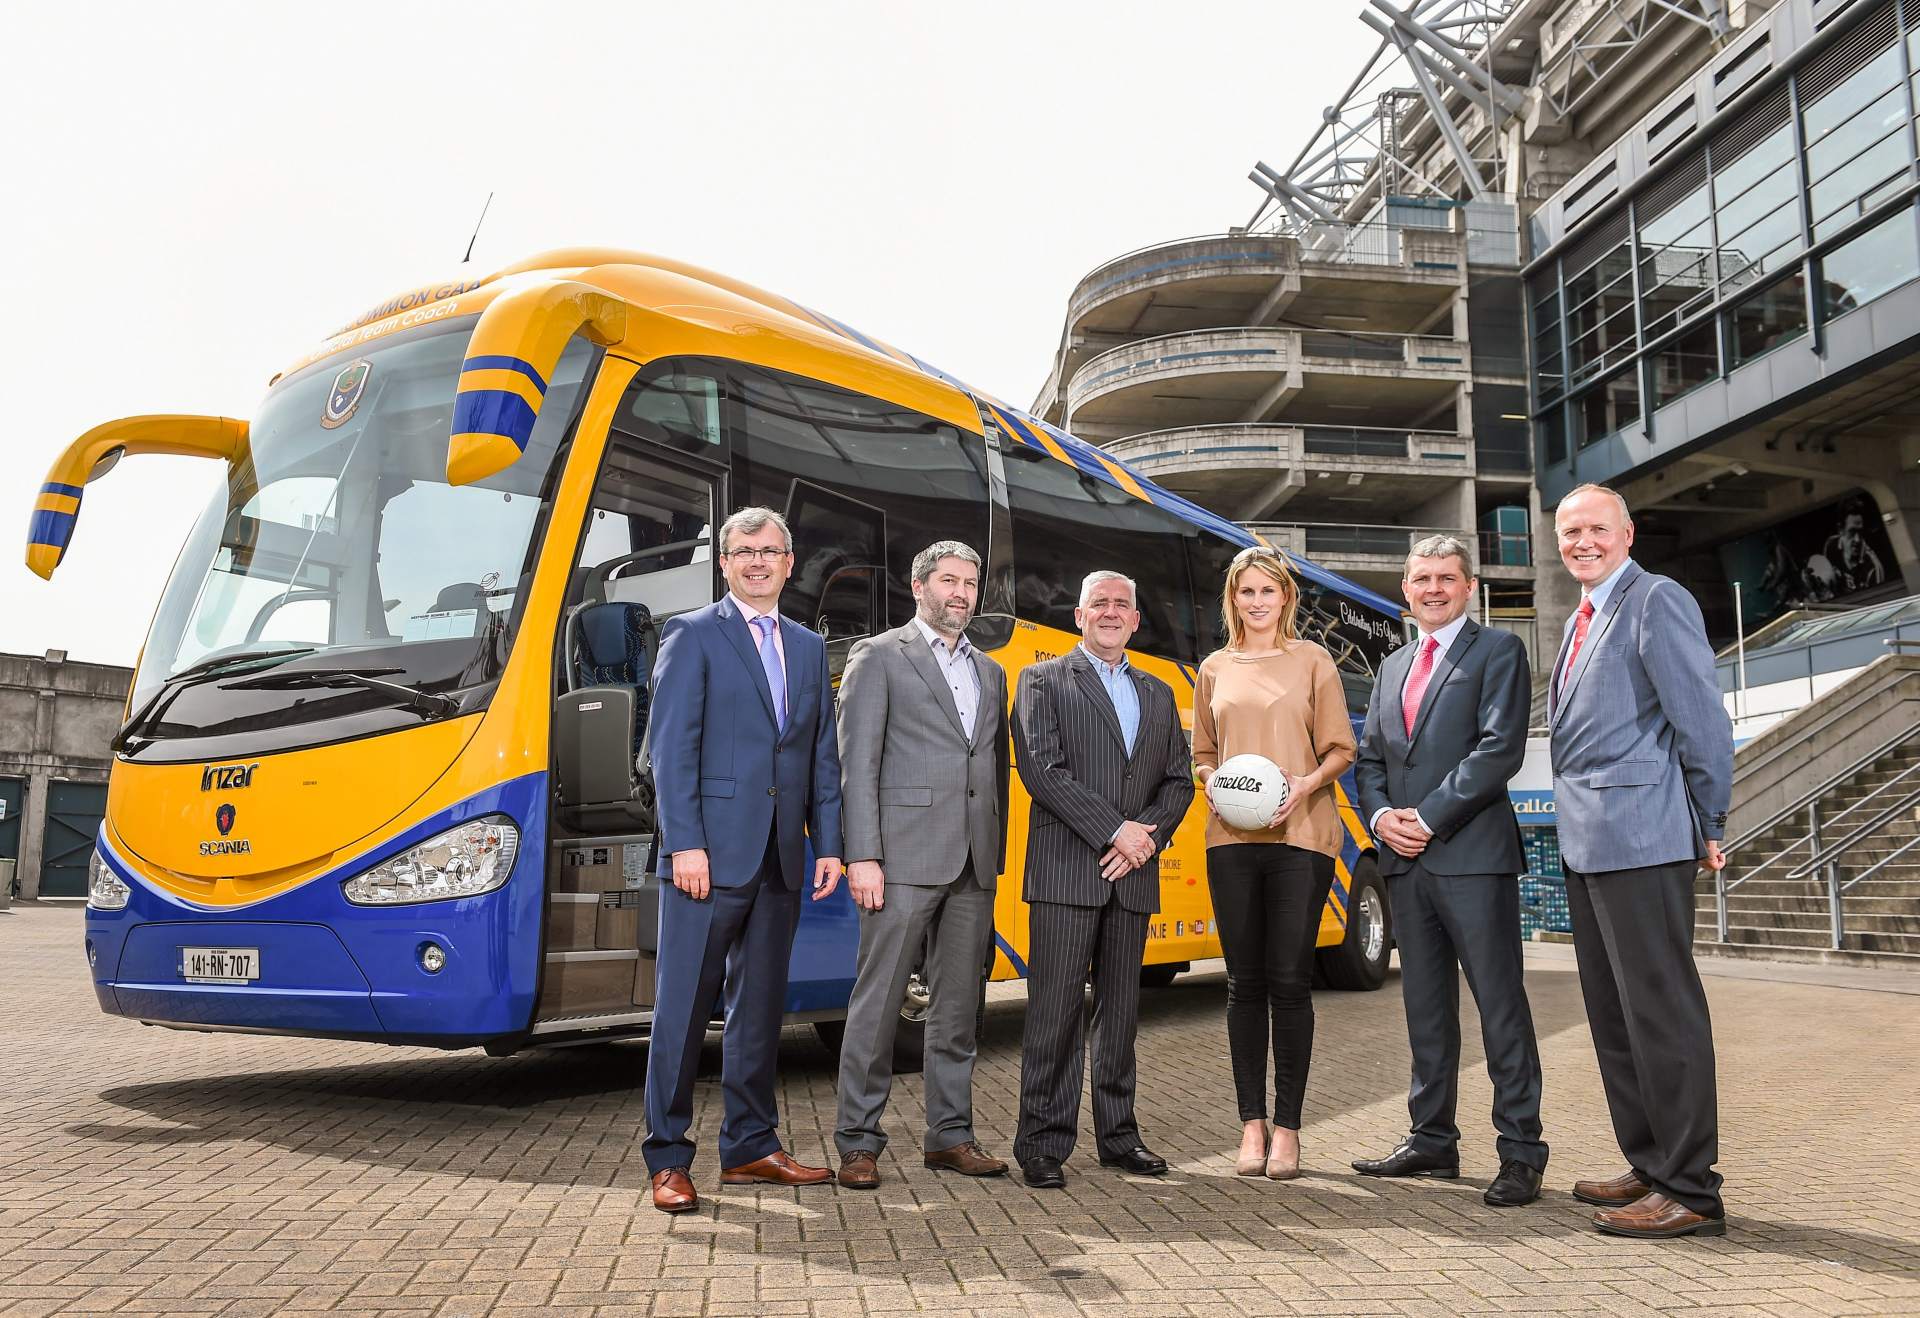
(1372, 141)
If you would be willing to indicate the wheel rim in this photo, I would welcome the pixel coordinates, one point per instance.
(918, 1001)
(1373, 925)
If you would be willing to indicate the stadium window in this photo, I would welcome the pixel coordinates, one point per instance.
(1868, 266)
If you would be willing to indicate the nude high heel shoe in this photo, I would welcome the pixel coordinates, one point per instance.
(1254, 1164)
(1279, 1167)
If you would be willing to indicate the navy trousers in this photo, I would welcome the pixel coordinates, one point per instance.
(739, 939)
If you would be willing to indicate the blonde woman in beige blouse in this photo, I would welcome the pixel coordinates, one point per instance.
(1271, 693)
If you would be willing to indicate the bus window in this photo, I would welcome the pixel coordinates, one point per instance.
(865, 485)
(649, 535)
(1358, 639)
(1067, 524)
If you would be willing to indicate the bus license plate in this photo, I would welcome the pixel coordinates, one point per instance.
(220, 965)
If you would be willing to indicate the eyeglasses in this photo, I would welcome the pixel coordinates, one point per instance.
(1258, 551)
(755, 555)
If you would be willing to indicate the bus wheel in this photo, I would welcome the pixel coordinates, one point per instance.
(1359, 961)
(910, 1035)
(1161, 976)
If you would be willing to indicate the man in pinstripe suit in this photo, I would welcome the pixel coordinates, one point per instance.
(1103, 756)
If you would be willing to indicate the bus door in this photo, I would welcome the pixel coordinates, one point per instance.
(646, 555)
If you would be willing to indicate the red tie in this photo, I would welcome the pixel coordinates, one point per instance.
(1417, 683)
(1580, 621)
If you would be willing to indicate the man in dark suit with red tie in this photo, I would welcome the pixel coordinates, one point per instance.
(1446, 729)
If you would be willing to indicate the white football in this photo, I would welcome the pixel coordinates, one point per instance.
(1246, 790)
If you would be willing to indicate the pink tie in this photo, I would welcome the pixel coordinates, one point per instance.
(1417, 683)
(1580, 621)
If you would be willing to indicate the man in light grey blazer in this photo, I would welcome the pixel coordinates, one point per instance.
(923, 754)
(1446, 729)
(1642, 775)
(1104, 758)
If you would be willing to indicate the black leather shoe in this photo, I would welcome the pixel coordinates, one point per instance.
(1138, 1160)
(1517, 1184)
(1044, 1173)
(1409, 1161)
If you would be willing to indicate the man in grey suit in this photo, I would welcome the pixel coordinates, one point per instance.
(1446, 729)
(923, 754)
(1103, 756)
(1642, 774)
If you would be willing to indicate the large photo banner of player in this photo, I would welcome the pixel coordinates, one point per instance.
(1827, 555)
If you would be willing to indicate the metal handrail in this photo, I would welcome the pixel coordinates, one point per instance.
(1834, 849)
(1834, 780)
(1825, 857)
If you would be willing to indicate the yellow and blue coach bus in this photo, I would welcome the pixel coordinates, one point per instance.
(383, 769)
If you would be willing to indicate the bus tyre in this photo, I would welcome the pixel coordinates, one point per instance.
(1359, 961)
(1161, 976)
(910, 1036)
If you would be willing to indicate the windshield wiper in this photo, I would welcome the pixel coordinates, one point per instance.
(207, 669)
(428, 704)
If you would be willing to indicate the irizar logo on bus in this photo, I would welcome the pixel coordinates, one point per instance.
(227, 777)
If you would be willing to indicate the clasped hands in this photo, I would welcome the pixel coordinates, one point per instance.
(1401, 830)
(1131, 848)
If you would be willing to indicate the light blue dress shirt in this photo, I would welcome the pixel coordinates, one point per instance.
(1118, 680)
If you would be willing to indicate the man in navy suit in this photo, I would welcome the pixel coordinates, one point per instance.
(747, 769)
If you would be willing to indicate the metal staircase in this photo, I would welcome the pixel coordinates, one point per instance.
(1824, 857)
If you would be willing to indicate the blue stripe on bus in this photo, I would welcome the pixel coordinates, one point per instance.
(493, 412)
(55, 487)
(1013, 957)
(504, 363)
(47, 527)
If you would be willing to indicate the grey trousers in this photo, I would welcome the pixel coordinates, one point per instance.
(960, 915)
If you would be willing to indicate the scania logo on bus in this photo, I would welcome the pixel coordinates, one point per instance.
(227, 777)
(344, 397)
(223, 818)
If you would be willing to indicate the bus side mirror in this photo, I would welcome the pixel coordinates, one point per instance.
(95, 453)
(990, 631)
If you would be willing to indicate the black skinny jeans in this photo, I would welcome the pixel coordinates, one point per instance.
(1267, 899)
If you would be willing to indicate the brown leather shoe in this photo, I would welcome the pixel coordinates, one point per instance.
(776, 1169)
(1656, 1217)
(860, 1170)
(967, 1158)
(1617, 1193)
(673, 1191)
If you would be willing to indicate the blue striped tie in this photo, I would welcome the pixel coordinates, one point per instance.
(776, 678)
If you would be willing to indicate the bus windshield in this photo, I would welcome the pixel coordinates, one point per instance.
(338, 546)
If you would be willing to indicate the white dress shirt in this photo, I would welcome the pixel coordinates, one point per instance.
(955, 663)
(1444, 639)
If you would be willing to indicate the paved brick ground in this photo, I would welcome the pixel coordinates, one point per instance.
(144, 1171)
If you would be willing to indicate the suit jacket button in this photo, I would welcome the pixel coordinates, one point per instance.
(773, 791)
(971, 792)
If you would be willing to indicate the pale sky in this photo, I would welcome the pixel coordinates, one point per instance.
(197, 194)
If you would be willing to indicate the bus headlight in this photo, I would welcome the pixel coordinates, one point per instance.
(466, 861)
(105, 891)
